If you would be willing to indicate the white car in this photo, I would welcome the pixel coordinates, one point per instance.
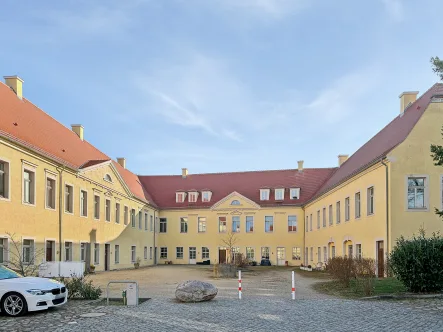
(19, 295)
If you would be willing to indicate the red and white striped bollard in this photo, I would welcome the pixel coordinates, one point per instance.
(293, 285)
(239, 285)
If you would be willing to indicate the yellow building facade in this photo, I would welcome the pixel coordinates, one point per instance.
(63, 199)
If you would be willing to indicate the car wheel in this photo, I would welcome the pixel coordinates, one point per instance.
(13, 304)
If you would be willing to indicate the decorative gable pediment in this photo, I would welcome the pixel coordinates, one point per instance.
(235, 201)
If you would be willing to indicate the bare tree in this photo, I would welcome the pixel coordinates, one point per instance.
(230, 241)
(23, 259)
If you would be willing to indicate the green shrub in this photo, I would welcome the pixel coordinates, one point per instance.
(418, 262)
(79, 287)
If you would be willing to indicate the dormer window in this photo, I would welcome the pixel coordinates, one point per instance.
(279, 194)
(193, 195)
(206, 196)
(107, 178)
(294, 193)
(264, 194)
(235, 202)
(180, 196)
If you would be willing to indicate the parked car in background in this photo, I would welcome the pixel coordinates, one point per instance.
(19, 294)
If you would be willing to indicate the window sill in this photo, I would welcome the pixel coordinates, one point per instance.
(71, 213)
(96, 219)
(418, 210)
(6, 199)
(28, 204)
(50, 208)
(83, 216)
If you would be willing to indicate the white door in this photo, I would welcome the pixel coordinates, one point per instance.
(192, 255)
(281, 256)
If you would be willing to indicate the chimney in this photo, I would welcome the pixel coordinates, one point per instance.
(184, 173)
(407, 98)
(342, 158)
(300, 165)
(16, 83)
(122, 162)
(79, 130)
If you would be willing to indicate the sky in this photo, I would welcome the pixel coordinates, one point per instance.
(221, 85)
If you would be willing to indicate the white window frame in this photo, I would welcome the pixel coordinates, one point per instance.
(126, 215)
(108, 178)
(325, 254)
(83, 248)
(185, 222)
(150, 253)
(178, 194)
(52, 177)
(151, 223)
(32, 190)
(133, 254)
(165, 251)
(310, 222)
(318, 219)
(251, 249)
(347, 208)
(264, 251)
(294, 193)
(165, 222)
(201, 221)
(140, 219)
(133, 218)
(331, 215)
(145, 253)
(31, 253)
(225, 226)
(146, 219)
(246, 221)
(298, 249)
(80, 203)
(270, 230)
(7, 179)
(264, 194)
(338, 212)
(116, 254)
(193, 196)
(71, 249)
(292, 225)
(97, 206)
(359, 205)
(117, 212)
(307, 224)
(4, 247)
(368, 212)
(237, 222)
(206, 196)
(358, 254)
(205, 253)
(71, 195)
(425, 194)
(324, 221)
(107, 210)
(177, 252)
(279, 194)
(96, 262)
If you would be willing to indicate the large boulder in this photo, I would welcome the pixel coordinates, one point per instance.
(195, 291)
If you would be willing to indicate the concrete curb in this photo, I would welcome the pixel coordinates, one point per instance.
(404, 297)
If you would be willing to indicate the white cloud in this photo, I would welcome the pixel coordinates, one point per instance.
(394, 8)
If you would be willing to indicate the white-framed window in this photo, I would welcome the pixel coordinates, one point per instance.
(357, 205)
(96, 207)
(3, 250)
(318, 219)
(50, 192)
(201, 224)
(250, 253)
(68, 251)
(324, 217)
(294, 193)
(140, 219)
(347, 209)
(117, 213)
(117, 254)
(4, 179)
(69, 198)
(307, 224)
(183, 224)
(163, 252)
(107, 178)
(126, 215)
(325, 254)
(133, 218)
(417, 193)
(145, 253)
(312, 254)
(358, 254)
(83, 203)
(310, 222)
(133, 253)
(350, 251)
(235, 202)
(306, 255)
(205, 253)
(82, 251)
(235, 224)
(249, 224)
(193, 196)
(96, 253)
(192, 252)
(206, 196)
(333, 252)
(292, 223)
(150, 252)
(29, 186)
(163, 225)
(269, 224)
(146, 221)
(222, 225)
(296, 253)
(151, 223)
(264, 194)
(319, 254)
(370, 202)
(180, 196)
(331, 215)
(338, 212)
(107, 210)
(265, 252)
(28, 251)
(279, 194)
(179, 252)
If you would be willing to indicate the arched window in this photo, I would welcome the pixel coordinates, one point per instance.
(235, 202)
(108, 178)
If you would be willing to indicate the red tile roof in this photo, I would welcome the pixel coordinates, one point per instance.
(248, 184)
(25, 123)
(383, 142)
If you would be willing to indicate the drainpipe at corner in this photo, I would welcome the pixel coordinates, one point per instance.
(387, 205)
(155, 252)
(60, 212)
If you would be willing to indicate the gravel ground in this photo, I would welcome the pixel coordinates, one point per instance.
(266, 306)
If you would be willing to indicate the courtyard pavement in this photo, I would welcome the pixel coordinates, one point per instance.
(263, 308)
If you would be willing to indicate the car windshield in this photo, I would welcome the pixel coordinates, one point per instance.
(6, 273)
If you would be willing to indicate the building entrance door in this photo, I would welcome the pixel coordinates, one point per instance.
(50, 246)
(107, 256)
(222, 256)
(281, 256)
(192, 255)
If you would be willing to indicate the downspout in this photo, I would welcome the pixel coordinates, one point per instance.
(304, 239)
(60, 211)
(155, 252)
(387, 205)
